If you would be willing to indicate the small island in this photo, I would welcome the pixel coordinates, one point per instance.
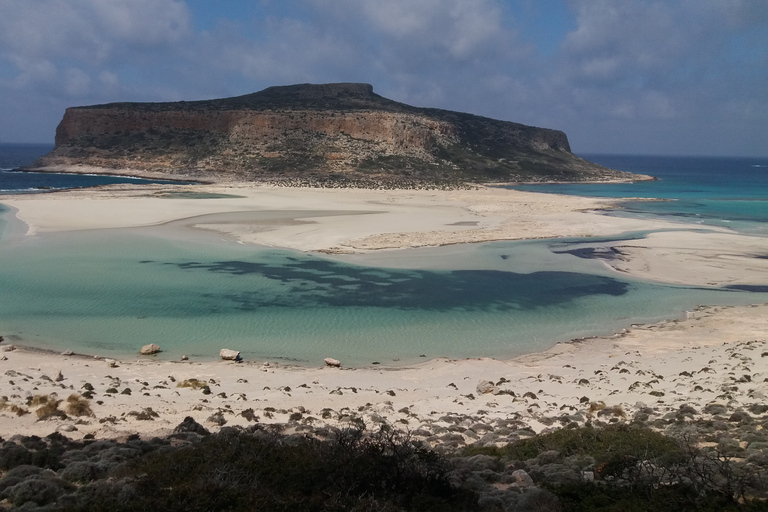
(338, 135)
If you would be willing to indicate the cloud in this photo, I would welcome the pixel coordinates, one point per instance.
(663, 64)
(618, 76)
(64, 42)
(92, 31)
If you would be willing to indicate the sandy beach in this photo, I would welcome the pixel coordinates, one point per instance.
(714, 355)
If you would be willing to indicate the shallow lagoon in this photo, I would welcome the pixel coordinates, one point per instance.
(194, 292)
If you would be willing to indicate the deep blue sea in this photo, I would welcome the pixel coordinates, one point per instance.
(13, 181)
(112, 291)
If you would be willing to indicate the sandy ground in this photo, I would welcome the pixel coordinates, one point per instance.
(713, 355)
(354, 221)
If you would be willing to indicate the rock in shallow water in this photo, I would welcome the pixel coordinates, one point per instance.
(229, 355)
(150, 349)
(334, 363)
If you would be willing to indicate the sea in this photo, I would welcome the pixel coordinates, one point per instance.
(15, 181)
(108, 292)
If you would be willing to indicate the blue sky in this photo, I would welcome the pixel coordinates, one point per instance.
(618, 76)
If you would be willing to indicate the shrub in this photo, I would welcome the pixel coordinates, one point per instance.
(49, 407)
(78, 406)
(191, 383)
(233, 470)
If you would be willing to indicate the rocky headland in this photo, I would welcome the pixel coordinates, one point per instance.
(318, 135)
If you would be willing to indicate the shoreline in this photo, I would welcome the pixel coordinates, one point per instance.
(223, 179)
(697, 360)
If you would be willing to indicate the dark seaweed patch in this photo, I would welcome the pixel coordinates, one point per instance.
(322, 283)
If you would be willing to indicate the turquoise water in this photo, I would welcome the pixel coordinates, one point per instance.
(111, 291)
(729, 192)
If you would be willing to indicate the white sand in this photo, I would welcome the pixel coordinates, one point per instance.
(379, 220)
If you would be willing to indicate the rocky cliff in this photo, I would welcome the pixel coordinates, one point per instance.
(341, 134)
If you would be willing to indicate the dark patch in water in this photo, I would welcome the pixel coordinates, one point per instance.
(194, 195)
(592, 253)
(319, 283)
(755, 288)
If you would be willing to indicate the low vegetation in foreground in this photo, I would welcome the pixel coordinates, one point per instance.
(617, 467)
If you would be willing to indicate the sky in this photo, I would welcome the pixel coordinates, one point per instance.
(664, 77)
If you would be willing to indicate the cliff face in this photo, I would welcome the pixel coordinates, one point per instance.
(334, 132)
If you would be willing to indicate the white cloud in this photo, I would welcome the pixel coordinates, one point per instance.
(459, 28)
(89, 30)
(625, 67)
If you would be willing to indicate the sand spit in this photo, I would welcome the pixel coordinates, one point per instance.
(363, 221)
(712, 364)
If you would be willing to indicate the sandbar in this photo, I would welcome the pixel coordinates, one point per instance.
(362, 221)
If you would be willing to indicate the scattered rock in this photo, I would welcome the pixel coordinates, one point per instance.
(522, 479)
(185, 357)
(485, 386)
(150, 349)
(59, 377)
(217, 418)
(190, 425)
(67, 427)
(111, 363)
(229, 355)
(68, 353)
(333, 363)
(9, 348)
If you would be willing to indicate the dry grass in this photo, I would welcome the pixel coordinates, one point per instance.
(48, 407)
(78, 406)
(15, 409)
(18, 411)
(614, 410)
(40, 400)
(192, 383)
(596, 406)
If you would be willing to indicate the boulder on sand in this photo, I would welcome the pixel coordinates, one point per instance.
(229, 355)
(486, 386)
(150, 349)
(334, 363)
